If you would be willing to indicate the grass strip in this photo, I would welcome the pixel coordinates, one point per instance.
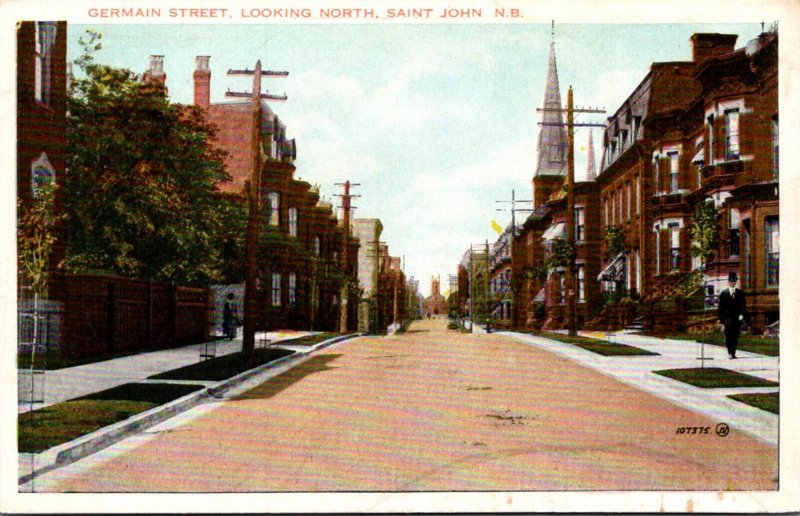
(308, 340)
(44, 428)
(598, 346)
(715, 377)
(224, 367)
(752, 343)
(769, 401)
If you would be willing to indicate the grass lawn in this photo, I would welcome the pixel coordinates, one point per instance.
(598, 346)
(712, 377)
(68, 420)
(769, 401)
(753, 344)
(308, 340)
(223, 367)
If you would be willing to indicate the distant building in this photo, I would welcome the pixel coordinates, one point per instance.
(368, 232)
(435, 304)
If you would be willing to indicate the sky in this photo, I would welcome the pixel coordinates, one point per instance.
(437, 122)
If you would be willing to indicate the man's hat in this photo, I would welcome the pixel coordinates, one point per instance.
(733, 277)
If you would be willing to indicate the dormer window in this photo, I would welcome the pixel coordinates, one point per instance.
(45, 39)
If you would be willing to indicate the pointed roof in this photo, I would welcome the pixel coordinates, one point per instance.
(552, 146)
(591, 169)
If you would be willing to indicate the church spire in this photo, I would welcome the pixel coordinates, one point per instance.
(591, 169)
(552, 145)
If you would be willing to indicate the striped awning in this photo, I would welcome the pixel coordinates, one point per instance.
(614, 271)
(699, 157)
(557, 230)
(539, 298)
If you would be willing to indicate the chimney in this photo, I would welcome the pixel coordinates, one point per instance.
(705, 45)
(202, 82)
(155, 72)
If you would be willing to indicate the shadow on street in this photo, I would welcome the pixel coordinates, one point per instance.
(275, 385)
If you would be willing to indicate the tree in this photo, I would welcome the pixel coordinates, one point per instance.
(35, 238)
(615, 241)
(563, 253)
(140, 181)
(704, 231)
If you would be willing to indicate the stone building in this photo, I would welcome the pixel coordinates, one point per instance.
(368, 232)
(435, 304)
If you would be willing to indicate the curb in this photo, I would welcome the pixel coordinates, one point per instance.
(91, 443)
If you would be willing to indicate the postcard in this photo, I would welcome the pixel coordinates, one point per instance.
(507, 256)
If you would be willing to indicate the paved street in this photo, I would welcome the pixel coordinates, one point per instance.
(425, 411)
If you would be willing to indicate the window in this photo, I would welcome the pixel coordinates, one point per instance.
(638, 193)
(45, 38)
(772, 243)
(675, 247)
(656, 174)
(733, 233)
(581, 290)
(276, 289)
(553, 153)
(635, 128)
(628, 198)
(658, 251)
(292, 288)
(623, 140)
(273, 208)
(775, 161)
(579, 224)
(732, 134)
(317, 246)
(710, 121)
(605, 210)
(674, 169)
(561, 293)
(293, 222)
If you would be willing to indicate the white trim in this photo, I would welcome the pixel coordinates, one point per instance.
(662, 224)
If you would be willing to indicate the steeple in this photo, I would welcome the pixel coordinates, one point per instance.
(591, 169)
(552, 144)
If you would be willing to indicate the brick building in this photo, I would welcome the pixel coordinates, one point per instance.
(691, 132)
(704, 130)
(41, 127)
(301, 269)
(435, 304)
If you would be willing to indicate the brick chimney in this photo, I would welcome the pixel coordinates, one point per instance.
(202, 82)
(705, 45)
(155, 72)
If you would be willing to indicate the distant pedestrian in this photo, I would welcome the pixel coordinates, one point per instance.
(230, 318)
(731, 312)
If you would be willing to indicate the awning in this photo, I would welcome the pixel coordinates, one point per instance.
(614, 271)
(698, 158)
(555, 231)
(539, 298)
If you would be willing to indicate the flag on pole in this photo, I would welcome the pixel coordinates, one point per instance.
(497, 227)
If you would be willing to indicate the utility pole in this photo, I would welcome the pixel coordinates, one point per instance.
(571, 276)
(513, 211)
(254, 198)
(489, 304)
(344, 294)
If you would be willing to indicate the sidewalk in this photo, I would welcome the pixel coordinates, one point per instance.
(680, 354)
(73, 382)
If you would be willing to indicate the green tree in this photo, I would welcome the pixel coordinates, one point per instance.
(140, 182)
(704, 231)
(35, 238)
(563, 253)
(615, 241)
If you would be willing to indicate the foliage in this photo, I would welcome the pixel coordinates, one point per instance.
(140, 181)
(561, 256)
(537, 273)
(35, 237)
(704, 231)
(715, 377)
(769, 401)
(615, 241)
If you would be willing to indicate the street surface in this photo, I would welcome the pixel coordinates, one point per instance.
(434, 410)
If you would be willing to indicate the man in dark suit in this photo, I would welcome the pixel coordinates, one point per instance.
(731, 313)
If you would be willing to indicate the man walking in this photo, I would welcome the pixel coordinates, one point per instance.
(731, 313)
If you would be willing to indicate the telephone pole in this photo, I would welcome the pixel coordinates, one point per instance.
(254, 198)
(344, 292)
(570, 279)
(513, 209)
